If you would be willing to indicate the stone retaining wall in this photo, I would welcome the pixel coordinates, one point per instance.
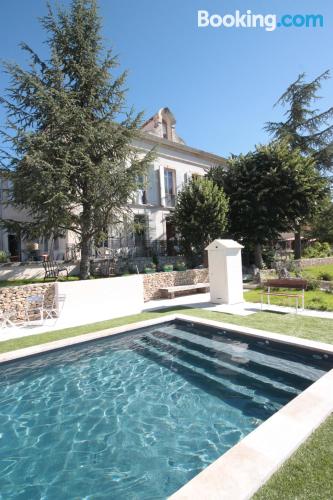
(153, 282)
(314, 262)
(12, 298)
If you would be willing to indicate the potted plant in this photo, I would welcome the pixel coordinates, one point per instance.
(167, 268)
(150, 268)
(180, 266)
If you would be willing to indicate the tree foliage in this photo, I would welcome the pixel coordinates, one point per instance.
(71, 157)
(271, 190)
(305, 128)
(200, 215)
(321, 226)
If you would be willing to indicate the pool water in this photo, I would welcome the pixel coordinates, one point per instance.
(138, 415)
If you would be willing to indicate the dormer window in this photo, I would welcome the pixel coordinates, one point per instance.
(165, 129)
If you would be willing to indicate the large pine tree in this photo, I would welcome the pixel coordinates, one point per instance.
(71, 160)
(305, 129)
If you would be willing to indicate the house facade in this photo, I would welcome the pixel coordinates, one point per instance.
(150, 230)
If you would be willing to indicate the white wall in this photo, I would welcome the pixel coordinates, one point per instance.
(91, 301)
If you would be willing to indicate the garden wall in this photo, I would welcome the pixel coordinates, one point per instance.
(91, 301)
(153, 282)
(97, 300)
(12, 298)
(314, 262)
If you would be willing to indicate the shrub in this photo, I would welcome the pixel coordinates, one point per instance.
(313, 284)
(325, 276)
(3, 256)
(317, 249)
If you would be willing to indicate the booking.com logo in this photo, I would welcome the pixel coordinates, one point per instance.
(268, 21)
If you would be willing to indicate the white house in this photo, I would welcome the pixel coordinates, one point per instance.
(174, 164)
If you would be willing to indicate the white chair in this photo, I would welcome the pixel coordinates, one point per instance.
(53, 310)
(34, 308)
(6, 318)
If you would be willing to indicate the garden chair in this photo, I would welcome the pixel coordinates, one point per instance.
(6, 318)
(53, 311)
(52, 270)
(34, 308)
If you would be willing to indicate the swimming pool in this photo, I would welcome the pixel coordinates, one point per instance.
(138, 415)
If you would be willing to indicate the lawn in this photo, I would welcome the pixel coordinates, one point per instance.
(324, 272)
(288, 324)
(6, 283)
(314, 299)
(307, 475)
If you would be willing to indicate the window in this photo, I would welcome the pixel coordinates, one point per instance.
(141, 198)
(7, 190)
(141, 231)
(195, 176)
(170, 187)
(165, 129)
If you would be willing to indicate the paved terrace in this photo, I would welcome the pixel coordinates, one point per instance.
(198, 301)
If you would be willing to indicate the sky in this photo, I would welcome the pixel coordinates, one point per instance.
(220, 83)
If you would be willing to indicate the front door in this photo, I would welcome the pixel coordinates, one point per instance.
(14, 246)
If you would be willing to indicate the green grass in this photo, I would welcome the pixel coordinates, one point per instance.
(308, 474)
(6, 283)
(318, 272)
(288, 324)
(314, 299)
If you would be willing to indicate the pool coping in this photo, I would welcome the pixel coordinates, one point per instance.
(243, 469)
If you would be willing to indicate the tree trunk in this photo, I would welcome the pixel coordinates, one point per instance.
(85, 258)
(298, 244)
(258, 256)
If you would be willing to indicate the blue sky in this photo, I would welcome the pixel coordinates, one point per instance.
(221, 84)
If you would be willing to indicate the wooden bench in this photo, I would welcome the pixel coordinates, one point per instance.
(170, 291)
(289, 283)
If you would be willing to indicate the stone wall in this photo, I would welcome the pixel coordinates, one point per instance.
(314, 262)
(13, 298)
(153, 282)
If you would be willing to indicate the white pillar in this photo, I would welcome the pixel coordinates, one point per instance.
(225, 272)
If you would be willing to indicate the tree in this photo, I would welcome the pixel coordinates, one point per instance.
(305, 129)
(72, 161)
(200, 215)
(321, 226)
(270, 190)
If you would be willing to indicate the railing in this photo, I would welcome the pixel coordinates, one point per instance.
(117, 247)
